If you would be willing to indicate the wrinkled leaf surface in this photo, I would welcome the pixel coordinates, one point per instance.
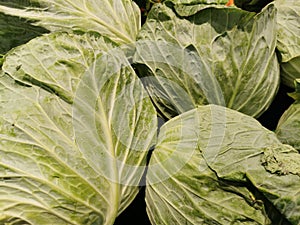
(214, 165)
(79, 162)
(236, 50)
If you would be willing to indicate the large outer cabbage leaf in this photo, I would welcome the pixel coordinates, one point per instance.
(288, 127)
(236, 49)
(79, 163)
(214, 165)
(55, 61)
(117, 19)
(288, 39)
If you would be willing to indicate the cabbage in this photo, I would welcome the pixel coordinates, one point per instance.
(288, 127)
(288, 39)
(77, 124)
(119, 20)
(73, 144)
(223, 56)
(222, 167)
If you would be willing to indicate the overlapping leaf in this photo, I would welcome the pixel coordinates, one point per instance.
(288, 39)
(288, 127)
(118, 20)
(182, 79)
(236, 47)
(213, 165)
(79, 163)
(55, 61)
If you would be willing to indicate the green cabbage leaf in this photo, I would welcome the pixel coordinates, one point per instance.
(74, 135)
(44, 62)
(288, 39)
(288, 127)
(214, 165)
(233, 51)
(118, 20)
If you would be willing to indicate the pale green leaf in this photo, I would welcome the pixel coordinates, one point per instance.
(118, 20)
(78, 163)
(237, 49)
(212, 166)
(55, 61)
(288, 127)
(182, 79)
(282, 161)
(290, 71)
(288, 29)
(288, 39)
